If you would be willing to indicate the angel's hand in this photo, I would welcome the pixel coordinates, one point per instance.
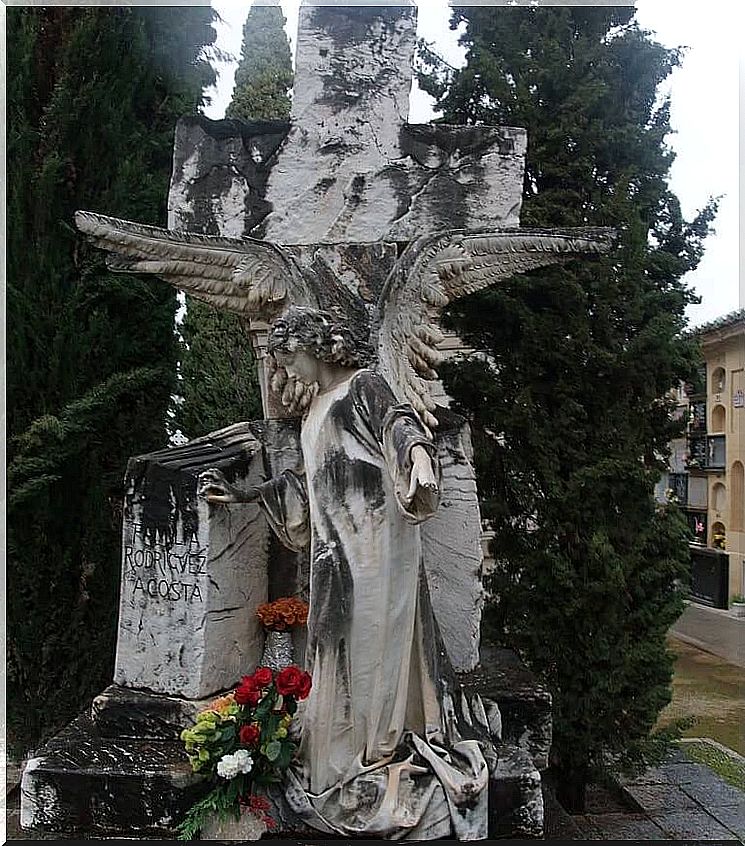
(422, 473)
(214, 487)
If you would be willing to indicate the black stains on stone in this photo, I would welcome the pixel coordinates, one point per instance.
(229, 151)
(355, 195)
(323, 185)
(226, 128)
(422, 141)
(341, 476)
(400, 184)
(343, 672)
(331, 594)
(108, 786)
(332, 295)
(352, 24)
(163, 485)
(371, 263)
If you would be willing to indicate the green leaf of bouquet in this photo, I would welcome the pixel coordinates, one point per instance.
(273, 749)
(285, 756)
(290, 705)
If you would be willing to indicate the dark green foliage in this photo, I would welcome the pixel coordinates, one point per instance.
(219, 385)
(581, 359)
(93, 96)
(264, 76)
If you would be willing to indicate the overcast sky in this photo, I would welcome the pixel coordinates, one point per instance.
(704, 114)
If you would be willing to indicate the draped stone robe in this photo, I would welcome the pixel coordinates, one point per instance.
(381, 754)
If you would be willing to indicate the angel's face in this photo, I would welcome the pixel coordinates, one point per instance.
(299, 365)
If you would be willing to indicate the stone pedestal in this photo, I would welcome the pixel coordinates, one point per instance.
(124, 771)
(82, 781)
(193, 574)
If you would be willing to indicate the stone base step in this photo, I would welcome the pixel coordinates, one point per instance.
(83, 782)
(524, 703)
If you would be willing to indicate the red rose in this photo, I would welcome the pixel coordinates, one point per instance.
(246, 691)
(287, 680)
(304, 685)
(250, 735)
(263, 676)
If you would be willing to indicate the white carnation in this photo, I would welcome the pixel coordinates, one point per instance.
(243, 760)
(230, 765)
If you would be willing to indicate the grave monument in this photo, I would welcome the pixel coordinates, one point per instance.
(346, 230)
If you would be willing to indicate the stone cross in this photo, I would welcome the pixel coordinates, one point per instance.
(350, 170)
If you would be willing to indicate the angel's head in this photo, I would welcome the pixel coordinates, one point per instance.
(303, 344)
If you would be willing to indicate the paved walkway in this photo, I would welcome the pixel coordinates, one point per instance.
(680, 800)
(713, 630)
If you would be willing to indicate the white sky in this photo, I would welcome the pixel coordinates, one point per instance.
(704, 114)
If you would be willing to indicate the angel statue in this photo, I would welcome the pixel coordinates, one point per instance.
(376, 722)
(389, 746)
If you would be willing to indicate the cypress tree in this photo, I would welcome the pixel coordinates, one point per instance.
(219, 384)
(570, 409)
(264, 75)
(93, 96)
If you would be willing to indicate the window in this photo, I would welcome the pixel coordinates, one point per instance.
(717, 451)
(718, 380)
(698, 492)
(718, 536)
(718, 419)
(698, 417)
(697, 525)
(697, 453)
(678, 483)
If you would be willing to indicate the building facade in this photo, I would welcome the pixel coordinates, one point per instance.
(706, 470)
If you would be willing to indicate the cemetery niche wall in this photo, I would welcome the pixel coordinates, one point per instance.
(351, 213)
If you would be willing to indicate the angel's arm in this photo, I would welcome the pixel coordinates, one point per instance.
(283, 500)
(405, 442)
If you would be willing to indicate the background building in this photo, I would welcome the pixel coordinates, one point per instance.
(706, 472)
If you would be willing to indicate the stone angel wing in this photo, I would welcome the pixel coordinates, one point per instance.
(249, 277)
(434, 271)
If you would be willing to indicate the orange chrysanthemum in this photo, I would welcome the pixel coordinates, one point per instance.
(283, 613)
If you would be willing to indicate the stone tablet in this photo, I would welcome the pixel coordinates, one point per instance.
(193, 574)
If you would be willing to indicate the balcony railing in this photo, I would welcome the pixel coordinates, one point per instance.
(707, 453)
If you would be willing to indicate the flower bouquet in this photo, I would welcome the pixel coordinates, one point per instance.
(240, 741)
(283, 614)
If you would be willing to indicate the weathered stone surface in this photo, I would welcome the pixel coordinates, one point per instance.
(524, 703)
(194, 574)
(82, 781)
(617, 827)
(691, 825)
(220, 168)
(352, 169)
(660, 797)
(452, 549)
(515, 796)
(247, 827)
(120, 712)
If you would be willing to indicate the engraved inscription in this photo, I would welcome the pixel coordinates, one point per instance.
(164, 573)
